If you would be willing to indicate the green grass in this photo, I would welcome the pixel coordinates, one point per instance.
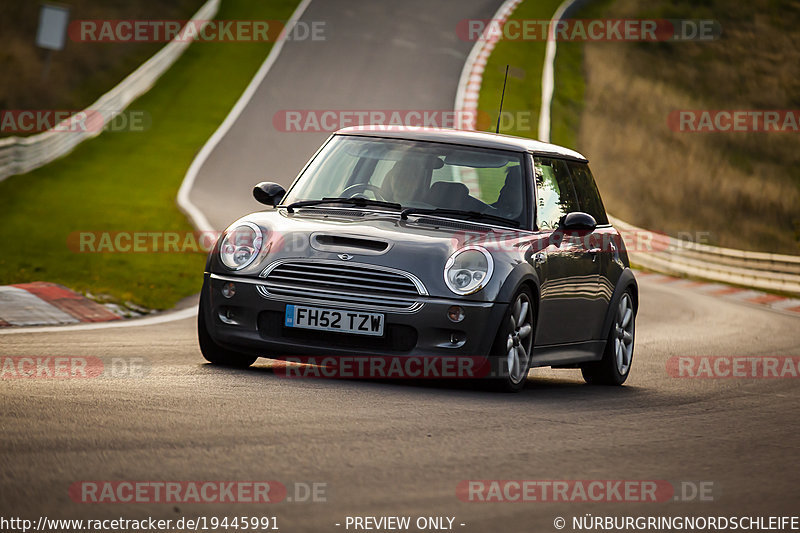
(570, 83)
(525, 59)
(128, 181)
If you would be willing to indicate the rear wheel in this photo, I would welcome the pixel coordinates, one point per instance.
(513, 346)
(614, 367)
(213, 352)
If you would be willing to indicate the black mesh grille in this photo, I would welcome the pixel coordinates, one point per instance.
(343, 283)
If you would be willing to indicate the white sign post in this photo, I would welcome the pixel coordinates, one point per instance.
(52, 32)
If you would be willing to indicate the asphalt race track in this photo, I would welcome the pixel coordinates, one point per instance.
(377, 56)
(395, 448)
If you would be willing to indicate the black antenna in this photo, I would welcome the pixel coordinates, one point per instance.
(502, 96)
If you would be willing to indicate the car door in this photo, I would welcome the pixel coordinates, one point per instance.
(600, 242)
(568, 269)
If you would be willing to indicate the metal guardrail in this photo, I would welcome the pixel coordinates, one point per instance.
(649, 249)
(673, 256)
(23, 154)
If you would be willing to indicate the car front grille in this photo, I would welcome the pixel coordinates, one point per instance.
(342, 284)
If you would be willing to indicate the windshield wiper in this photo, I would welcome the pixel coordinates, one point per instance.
(469, 215)
(356, 202)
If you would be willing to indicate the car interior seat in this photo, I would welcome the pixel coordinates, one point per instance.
(509, 201)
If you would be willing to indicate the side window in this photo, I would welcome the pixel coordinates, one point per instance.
(554, 194)
(586, 189)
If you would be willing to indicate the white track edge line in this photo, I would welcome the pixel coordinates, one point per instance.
(548, 73)
(197, 217)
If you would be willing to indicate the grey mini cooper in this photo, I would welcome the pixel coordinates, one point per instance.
(411, 243)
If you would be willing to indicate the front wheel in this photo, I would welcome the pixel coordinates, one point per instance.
(614, 367)
(213, 352)
(513, 346)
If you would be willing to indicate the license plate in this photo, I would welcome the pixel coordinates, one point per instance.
(319, 318)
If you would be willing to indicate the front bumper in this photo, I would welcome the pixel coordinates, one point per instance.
(251, 323)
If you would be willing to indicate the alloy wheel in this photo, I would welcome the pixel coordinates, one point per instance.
(519, 343)
(623, 334)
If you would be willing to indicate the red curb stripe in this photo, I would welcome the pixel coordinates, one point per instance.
(727, 290)
(765, 299)
(695, 284)
(68, 301)
(795, 309)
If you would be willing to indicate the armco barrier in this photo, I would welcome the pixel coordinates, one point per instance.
(672, 256)
(678, 257)
(23, 154)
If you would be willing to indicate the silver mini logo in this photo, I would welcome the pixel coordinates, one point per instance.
(345, 257)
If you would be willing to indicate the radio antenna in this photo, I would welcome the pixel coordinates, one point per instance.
(502, 96)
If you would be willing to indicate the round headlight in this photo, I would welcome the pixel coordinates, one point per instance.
(468, 270)
(241, 245)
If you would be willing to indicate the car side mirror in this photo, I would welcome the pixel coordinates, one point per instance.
(577, 220)
(269, 193)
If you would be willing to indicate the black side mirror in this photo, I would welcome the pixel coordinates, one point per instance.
(577, 220)
(269, 193)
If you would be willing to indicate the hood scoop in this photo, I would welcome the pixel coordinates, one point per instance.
(355, 244)
(321, 212)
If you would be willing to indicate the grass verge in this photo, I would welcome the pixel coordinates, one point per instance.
(127, 181)
(81, 72)
(524, 88)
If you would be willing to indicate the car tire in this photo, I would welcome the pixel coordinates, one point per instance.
(213, 352)
(615, 366)
(513, 346)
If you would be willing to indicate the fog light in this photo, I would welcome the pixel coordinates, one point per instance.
(227, 315)
(457, 339)
(455, 313)
(228, 290)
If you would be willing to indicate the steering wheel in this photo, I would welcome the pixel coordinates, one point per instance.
(354, 190)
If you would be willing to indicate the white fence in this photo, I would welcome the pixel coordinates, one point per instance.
(23, 154)
(666, 254)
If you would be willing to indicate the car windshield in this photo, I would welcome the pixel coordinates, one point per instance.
(417, 175)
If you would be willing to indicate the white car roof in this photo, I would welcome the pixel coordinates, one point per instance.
(464, 137)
